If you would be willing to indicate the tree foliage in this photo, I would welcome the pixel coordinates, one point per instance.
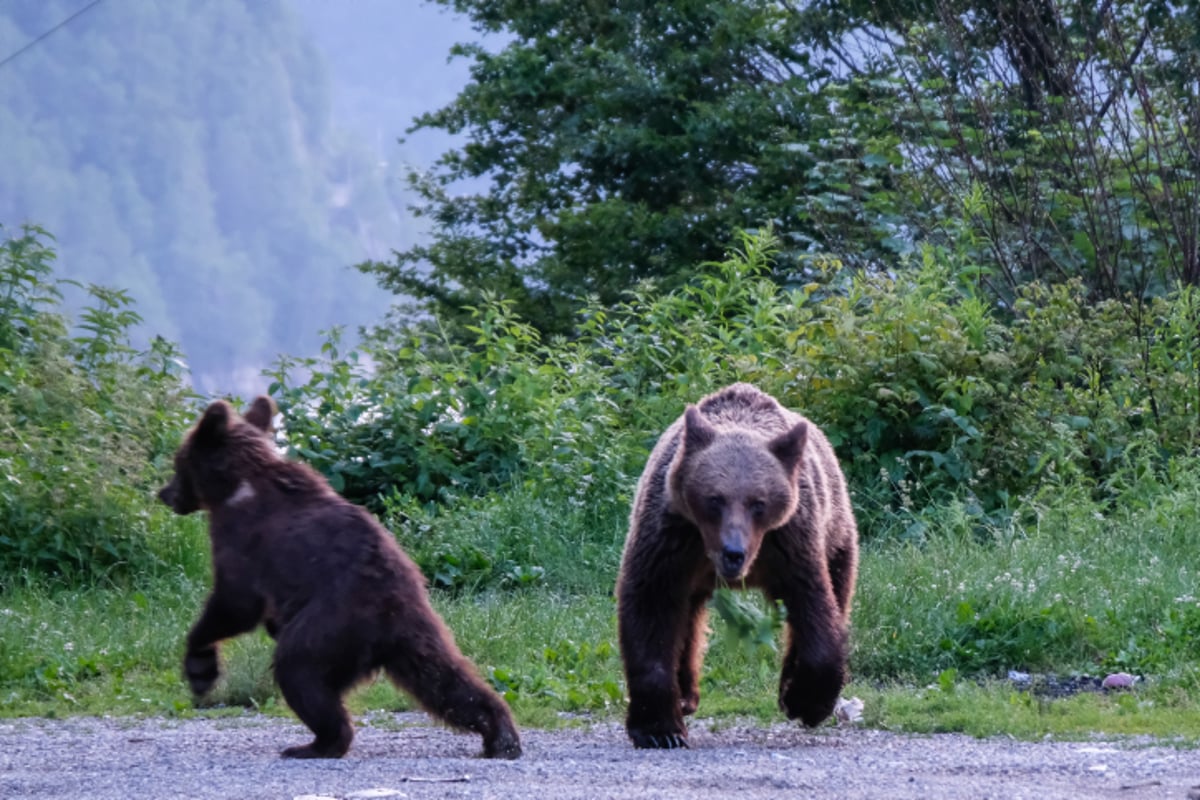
(929, 394)
(621, 141)
(1066, 132)
(610, 142)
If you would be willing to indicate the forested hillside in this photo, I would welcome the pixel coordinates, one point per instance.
(389, 63)
(184, 151)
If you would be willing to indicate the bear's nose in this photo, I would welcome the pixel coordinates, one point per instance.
(732, 559)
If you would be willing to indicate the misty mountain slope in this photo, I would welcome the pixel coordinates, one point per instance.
(185, 151)
(389, 62)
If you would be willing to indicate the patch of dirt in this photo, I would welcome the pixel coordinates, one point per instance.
(407, 756)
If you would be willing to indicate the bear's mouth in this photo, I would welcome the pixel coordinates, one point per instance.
(729, 566)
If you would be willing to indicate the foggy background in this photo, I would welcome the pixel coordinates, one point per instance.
(226, 162)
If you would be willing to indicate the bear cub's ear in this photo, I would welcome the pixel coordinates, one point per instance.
(261, 413)
(215, 423)
(789, 447)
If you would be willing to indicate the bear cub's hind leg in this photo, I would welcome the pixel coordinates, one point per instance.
(425, 662)
(319, 706)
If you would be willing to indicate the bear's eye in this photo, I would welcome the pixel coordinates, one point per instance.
(758, 508)
(714, 504)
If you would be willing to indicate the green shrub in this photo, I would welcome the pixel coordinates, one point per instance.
(87, 424)
(928, 393)
(930, 396)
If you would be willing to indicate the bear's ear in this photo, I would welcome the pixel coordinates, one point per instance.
(697, 433)
(260, 413)
(789, 447)
(215, 422)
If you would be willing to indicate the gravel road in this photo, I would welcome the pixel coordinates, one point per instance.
(406, 756)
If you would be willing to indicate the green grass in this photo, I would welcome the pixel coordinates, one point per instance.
(1074, 586)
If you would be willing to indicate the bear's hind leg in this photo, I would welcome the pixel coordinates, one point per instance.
(427, 664)
(843, 570)
(318, 704)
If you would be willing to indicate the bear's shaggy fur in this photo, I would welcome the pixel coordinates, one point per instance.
(325, 579)
(744, 492)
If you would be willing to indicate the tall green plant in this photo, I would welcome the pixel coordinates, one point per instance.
(87, 422)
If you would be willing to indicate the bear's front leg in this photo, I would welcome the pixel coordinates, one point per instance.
(814, 671)
(814, 665)
(809, 688)
(652, 627)
(225, 614)
(655, 716)
(814, 661)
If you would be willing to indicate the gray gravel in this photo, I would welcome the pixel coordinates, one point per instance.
(410, 757)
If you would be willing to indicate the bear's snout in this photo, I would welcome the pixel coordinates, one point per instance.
(733, 558)
(734, 549)
(176, 498)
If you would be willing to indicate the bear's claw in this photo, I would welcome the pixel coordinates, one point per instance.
(661, 741)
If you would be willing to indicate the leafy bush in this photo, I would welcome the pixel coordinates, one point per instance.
(928, 392)
(87, 423)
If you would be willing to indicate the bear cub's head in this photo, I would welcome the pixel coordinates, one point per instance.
(734, 484)
(220, 455)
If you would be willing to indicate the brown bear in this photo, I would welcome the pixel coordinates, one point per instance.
(327, 581)
(739, 491)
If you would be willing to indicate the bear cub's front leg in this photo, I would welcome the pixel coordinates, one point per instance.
(201, 668)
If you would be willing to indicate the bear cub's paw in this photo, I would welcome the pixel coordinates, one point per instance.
(503, 745)
(313, 751)
(201, 669)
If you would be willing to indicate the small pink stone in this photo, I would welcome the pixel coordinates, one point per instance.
(1118, 680)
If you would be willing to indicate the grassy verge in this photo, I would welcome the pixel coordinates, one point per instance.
(1071, 586)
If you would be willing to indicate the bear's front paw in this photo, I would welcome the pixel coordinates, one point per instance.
(645, 738)
(505, 744)
(201, 669)
(810, 693)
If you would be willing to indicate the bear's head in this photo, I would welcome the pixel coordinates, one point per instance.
(220, 455)
(734, 484)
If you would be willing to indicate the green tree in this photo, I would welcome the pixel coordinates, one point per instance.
(608, 142)
(1063, 132)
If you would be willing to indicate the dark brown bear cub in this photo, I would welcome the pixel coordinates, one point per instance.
(743, 492)
(328, 583)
